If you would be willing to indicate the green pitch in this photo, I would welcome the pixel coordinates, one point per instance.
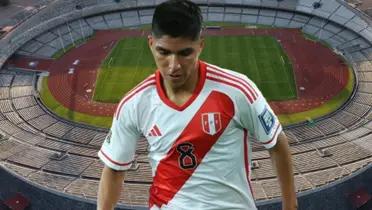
(128, 64)
(261, 58)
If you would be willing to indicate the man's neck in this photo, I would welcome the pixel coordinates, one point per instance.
(180, 95)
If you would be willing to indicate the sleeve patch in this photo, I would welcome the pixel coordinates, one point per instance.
(267, 120)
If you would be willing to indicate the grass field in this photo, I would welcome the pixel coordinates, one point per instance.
(128, 64)
(288, 119)
(57, 108)
(330, 106)
(105, 122)
(261, 58)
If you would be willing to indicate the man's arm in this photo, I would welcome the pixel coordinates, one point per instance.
(282, 162)
(109, 188)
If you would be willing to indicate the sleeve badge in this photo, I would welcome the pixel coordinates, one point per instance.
(267, 120)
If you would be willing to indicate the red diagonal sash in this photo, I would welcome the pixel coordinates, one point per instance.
(188, 150)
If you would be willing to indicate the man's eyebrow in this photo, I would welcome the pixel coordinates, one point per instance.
(163, 49)
(178, 52)
(189, 49)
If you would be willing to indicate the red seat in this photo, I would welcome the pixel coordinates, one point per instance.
(17, 202)
(360, 197)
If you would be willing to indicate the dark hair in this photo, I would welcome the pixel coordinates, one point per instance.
(177, 18)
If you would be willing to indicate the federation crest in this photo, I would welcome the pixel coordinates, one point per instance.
(211, 122)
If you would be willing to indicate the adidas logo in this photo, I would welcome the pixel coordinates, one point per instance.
(154, 131)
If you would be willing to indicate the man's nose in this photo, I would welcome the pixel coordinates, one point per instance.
(174, 62)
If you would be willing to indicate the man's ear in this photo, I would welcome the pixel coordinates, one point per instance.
(201, 44)
(150, 40)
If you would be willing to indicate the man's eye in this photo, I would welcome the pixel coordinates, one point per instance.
(162, 52)
(186, 53)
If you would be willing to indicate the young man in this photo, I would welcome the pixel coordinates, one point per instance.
(196, 118)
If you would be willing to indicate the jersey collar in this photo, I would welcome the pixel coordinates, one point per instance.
(199, 86)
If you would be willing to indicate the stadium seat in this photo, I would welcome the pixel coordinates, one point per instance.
(17, 202)
(59, 156)
(78, 7)
(135, 166)
(324, 152)
(317, 5)
(255, 164)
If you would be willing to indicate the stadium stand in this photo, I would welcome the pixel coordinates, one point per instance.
(60, 155)
(14, 15)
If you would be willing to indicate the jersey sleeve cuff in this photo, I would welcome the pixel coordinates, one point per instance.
(272, 142)
(108, 161)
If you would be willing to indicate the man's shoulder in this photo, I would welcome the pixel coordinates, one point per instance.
(139, 92)
(242, 85)
(211, 68)
(147, 84)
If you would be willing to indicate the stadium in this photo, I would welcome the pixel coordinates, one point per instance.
(65, 64)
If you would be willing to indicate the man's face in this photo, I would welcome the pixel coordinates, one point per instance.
(176, 59)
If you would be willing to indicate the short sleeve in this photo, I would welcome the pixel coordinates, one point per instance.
(118, 149)
(257, 116)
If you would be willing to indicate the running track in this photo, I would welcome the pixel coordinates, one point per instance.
(319, 73)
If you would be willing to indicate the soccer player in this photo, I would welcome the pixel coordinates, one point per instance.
(196, 118)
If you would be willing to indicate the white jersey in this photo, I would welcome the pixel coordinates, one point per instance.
(199, 152)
